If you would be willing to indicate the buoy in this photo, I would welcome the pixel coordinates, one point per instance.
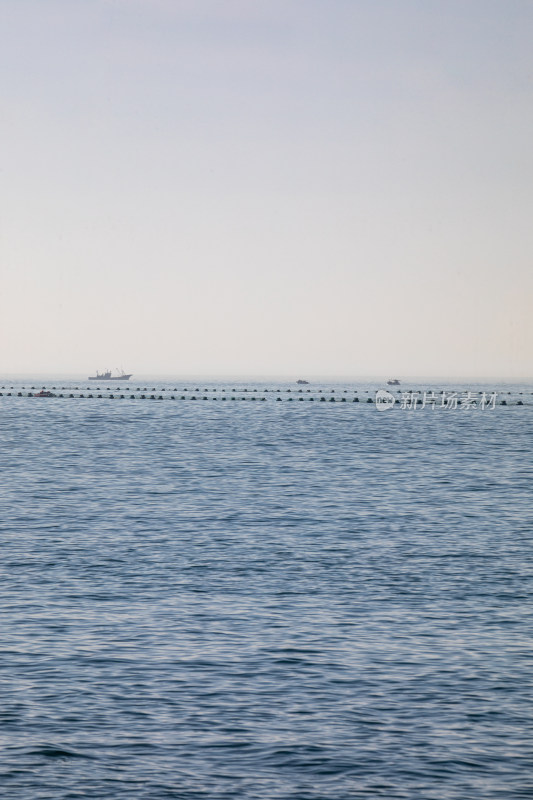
(369, 400)
(278, 399)
(322, 399)
(503, 403)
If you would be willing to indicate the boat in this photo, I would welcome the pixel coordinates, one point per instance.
(45, 393)
(302, 382)
(393, 382)
(108, 376)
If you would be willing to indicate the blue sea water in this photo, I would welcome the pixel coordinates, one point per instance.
(314, 601)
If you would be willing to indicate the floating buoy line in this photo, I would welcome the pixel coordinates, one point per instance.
(223, 394)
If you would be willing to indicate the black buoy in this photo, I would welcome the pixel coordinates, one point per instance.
(369, 400)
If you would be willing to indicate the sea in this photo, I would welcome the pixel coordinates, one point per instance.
(269, 592)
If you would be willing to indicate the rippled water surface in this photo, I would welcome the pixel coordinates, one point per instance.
(264, 600)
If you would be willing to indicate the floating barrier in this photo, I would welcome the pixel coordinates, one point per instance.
(250, 394)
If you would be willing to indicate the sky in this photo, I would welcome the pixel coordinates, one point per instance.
(267, 187)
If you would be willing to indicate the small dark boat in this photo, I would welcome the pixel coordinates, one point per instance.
(393, 382)
(45, 393)
(302, 382)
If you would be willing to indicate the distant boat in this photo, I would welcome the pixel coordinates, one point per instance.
(44, 393)
(302, 382)
(108, 376)
(393, 382)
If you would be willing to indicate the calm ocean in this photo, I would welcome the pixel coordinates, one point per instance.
(271, 600)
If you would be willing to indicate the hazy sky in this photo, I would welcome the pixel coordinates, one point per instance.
(294, 187)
